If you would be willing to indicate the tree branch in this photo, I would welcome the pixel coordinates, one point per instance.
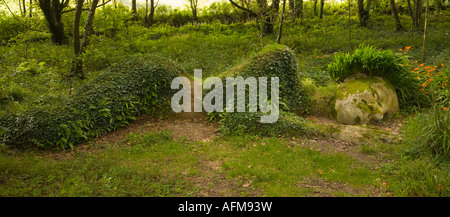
(85, 9)
(242, 8)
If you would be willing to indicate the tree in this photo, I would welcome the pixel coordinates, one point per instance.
(149, 18)
(299, 8)
(133, 7)
(292, 8)
(425, 32)
(281, 23)
(417, 13)
(262, 13)
(274, 8)
(398, 25)
(194, 5)
(363, 12)
(80, 43)
(53, 9)
(315, 8)
(30, 8)
(322, 2)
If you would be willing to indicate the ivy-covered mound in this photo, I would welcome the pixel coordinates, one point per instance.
(111, 100)
(273, 61)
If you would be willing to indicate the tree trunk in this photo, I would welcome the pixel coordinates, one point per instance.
(398, 25)
(299, 8)
(275, 7)
(315, 7)
(152, 11)
(133, 6)
(52, 10)
(77, 64)
(410, 11)
(363, 13)
(418, 12)
(24, 8)
(31, 8)
(281, 23)
(88, 26)
(349, 26)
(80, 44)
(292, 9)
(425, 32)
(322, 2)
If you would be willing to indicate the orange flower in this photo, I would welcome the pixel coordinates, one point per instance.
(430, 80)
(416, 69)
(416, 61)
(442, 64)
(407, 48)
(400, 49)
(427, 67)
(445, 108)
(418, 77)
(422, 64)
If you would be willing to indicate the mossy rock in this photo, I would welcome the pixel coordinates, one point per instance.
(361, 99)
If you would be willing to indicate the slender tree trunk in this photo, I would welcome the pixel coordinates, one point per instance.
(418, 12)
(80, 43)
(20, 7)
(410, 11)
(363, 13)
(31, 8)
(398, 25)
(280, 30)
(146, 12)
(299, 8)
(24, 8)
(322, 2)
(292, 10)
(315, 8)
(152, 12)
(77, 64)
(425, 31)
(133, 7)
(349, 26)
(88, 26)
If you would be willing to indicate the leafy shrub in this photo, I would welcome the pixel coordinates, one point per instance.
(111, 100)
(272, 61)
(243, 123)
(374, 62)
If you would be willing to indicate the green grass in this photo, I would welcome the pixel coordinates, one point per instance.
(157, 165)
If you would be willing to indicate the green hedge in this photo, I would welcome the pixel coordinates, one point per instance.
(273, 61)
(111, 100)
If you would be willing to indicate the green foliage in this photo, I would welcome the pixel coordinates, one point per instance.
(244, 123)
(429, 132)
(374, 62)
(272, 61)
(111, 100)
(420, 177)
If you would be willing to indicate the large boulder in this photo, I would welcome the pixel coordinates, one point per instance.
(361, 99)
